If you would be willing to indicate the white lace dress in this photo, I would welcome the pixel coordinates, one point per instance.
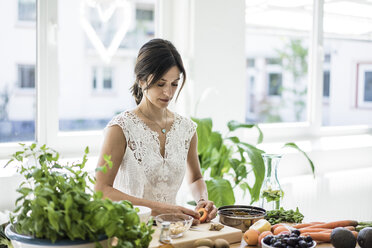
(144, 172)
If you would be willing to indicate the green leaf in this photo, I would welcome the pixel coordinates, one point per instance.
(258, 167)
(220, 192)
(233, 125)
(234, 139)
(102, 169)
(260, 136)
(203, 130)
(192, 203)
(293, 145)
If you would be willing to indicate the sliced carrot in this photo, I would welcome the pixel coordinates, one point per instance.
(203, 214)
(334, 224)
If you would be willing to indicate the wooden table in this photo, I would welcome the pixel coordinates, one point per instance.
(243, 244)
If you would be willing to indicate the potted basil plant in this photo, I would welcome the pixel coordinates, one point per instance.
(57, 207)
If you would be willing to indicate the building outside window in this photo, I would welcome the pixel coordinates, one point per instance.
(102, 78)
(274, 84)
(364, 86)
(326, 81)
(26, 76)
(27, 10)
(107, 78)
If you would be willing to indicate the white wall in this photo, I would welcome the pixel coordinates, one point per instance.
(218, 59)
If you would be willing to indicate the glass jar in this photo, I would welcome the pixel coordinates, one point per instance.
(271, 193)
(164, 238)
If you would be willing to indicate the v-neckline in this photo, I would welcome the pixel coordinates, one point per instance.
(156, 134)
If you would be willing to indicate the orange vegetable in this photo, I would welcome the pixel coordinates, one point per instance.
(251, 236)
(203, 214)
(302, 225)
(280, 229)
(323, 236)
(263, 235)
(310, 229)
(276, 226)
(334, 224)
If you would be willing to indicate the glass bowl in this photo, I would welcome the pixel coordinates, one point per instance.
(144, 213)
(180, 223)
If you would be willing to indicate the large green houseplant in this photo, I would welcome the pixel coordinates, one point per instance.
(228, 161)
(56, 203)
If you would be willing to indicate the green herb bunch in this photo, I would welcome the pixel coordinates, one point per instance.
(281, 215)
(4, 241)
(56, 202)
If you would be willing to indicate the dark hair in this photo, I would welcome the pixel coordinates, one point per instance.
(155, 58)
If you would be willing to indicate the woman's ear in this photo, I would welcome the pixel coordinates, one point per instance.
(142, 84)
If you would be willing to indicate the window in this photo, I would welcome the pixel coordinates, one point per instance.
(94, 68)
(144, 15)
(346, 27)
(368, 86)
(26, 76)
(94, 78)
(326, 80)
(275, 84)
(364, 83)
(27, 10)
(102, 78)
(280, 51)
(107, 78)
(17, 74)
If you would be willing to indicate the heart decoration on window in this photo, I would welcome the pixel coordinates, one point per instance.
(106, 10)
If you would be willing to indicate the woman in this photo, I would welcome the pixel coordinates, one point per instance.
(151, 148)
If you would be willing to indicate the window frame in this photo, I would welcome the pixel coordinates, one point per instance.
(73, 143)
(362, 67)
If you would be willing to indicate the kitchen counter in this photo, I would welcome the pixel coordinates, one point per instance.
(243, 244)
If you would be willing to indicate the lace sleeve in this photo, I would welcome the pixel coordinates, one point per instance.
(118, 120)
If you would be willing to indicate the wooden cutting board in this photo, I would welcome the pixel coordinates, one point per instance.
(232, 235)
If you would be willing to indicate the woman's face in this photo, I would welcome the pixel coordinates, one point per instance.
(161, 93)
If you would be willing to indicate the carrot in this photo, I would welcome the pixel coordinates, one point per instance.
(276, 226)
(334, 224)
(324, 236)
(281, 229)
(310, 229)
(302, 225)
(351, 228)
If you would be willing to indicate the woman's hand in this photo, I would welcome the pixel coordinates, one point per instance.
(164, 208)
(210, 207)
